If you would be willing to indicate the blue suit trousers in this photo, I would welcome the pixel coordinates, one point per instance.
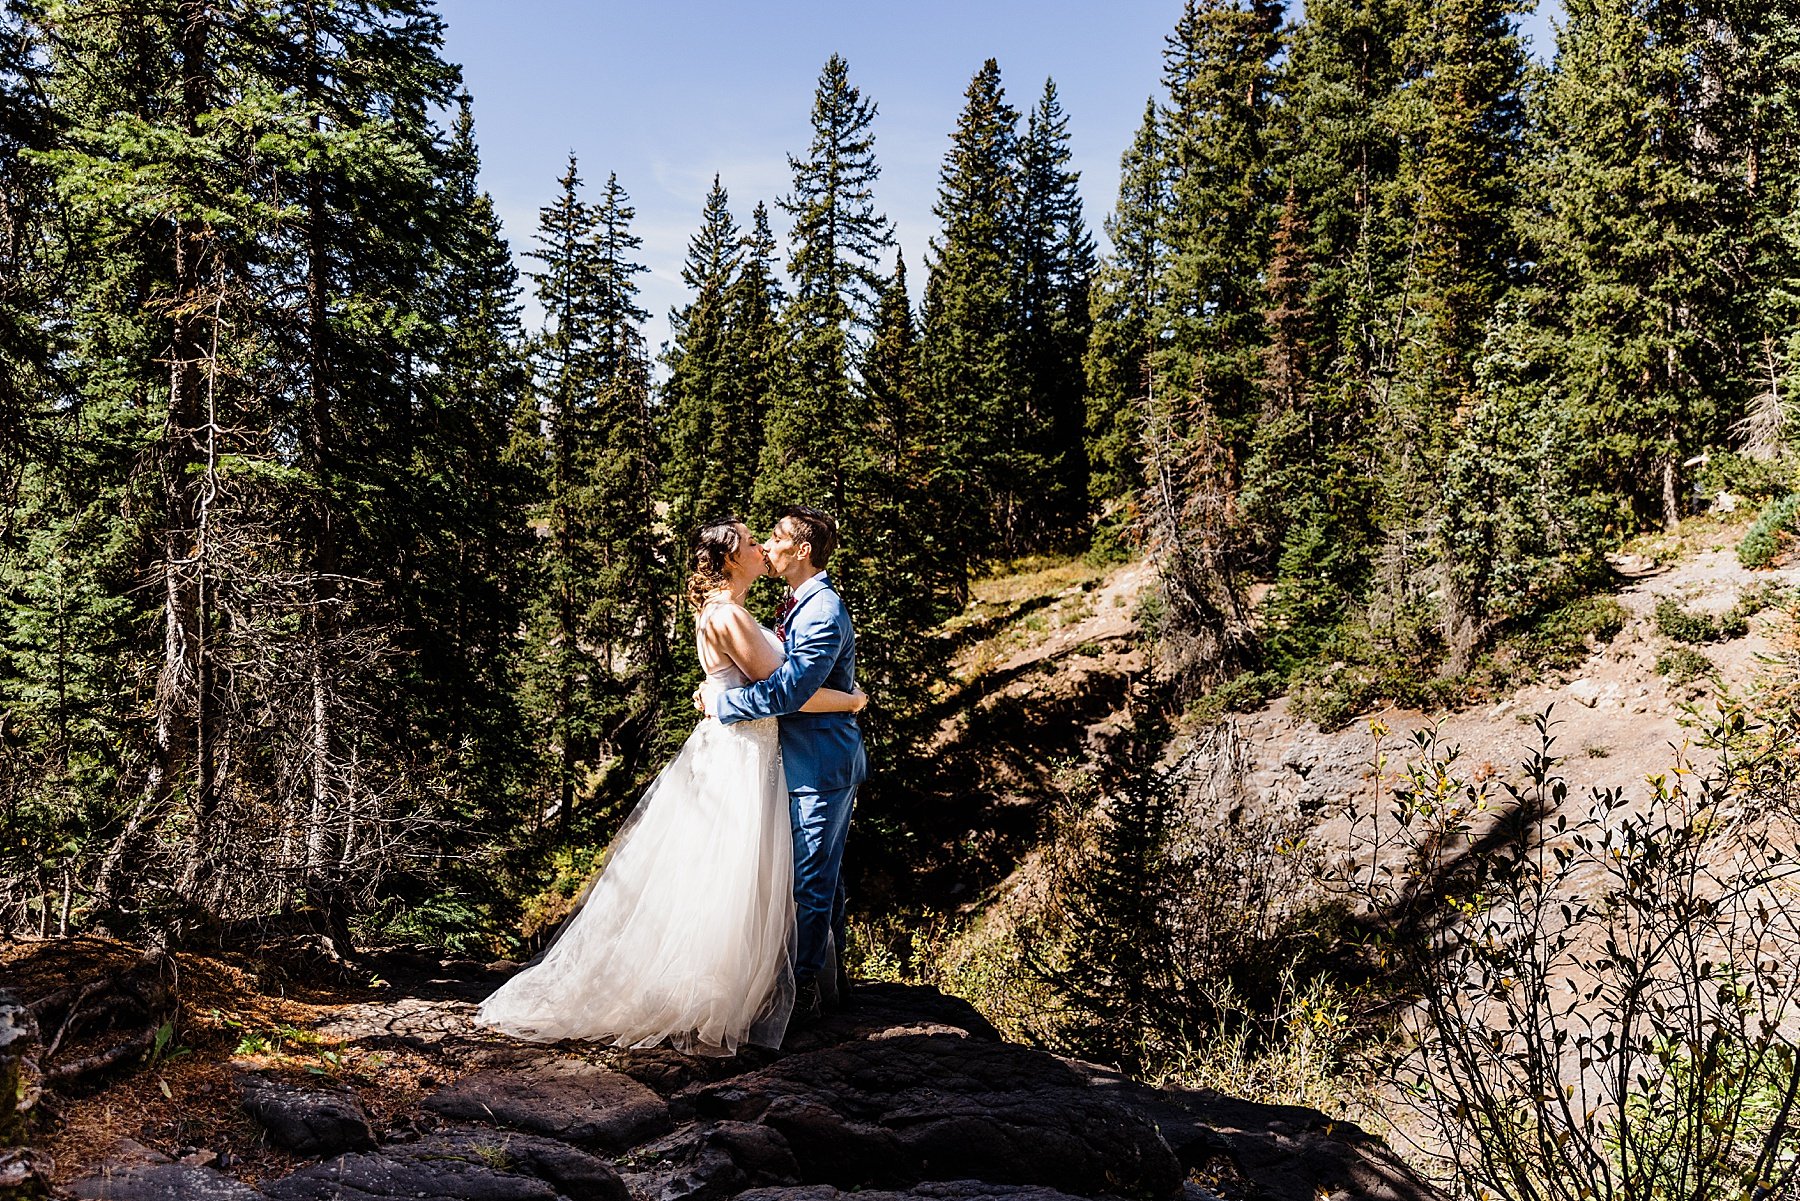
(821, 820)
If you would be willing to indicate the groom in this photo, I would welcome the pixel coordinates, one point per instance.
(823, 752)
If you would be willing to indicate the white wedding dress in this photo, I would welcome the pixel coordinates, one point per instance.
(687, 933)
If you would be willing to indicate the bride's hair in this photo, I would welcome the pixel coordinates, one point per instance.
(719, 540)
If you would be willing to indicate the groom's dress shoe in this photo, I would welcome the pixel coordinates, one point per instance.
(809, 1009)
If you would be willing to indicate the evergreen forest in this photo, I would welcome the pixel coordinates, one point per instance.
(328, 586)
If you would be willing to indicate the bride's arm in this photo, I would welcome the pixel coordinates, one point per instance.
(830, 700)
(735, 634)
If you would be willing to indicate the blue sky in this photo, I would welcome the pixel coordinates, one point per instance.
(665, 94)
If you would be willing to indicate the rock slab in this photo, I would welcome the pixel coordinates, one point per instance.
(465, 1166)
(568, 1099)
(161, 1182)
(309, 1121)
(1286, 1152)
(944, 1190)
(897, 1112)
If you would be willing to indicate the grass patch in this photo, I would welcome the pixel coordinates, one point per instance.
(1032, 576)
(1240, 694)
(1683, 665)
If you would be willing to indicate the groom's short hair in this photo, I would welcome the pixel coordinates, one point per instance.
(816, 528)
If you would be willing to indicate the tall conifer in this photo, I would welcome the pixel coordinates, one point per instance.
(814, 449)
(1640, 214)
(1125, 299)
(1219, 70)
(990, 454)
(1056, 262)
(696, 397)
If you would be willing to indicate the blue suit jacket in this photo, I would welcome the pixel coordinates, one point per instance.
(822, 752)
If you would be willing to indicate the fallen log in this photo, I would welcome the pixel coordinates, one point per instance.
(108, 1021)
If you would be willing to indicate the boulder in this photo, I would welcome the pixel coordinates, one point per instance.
(895, 1112)
(160, 1182)
(708, 1161)
(464, 1166)
(564, 1098)
(944, 1190)
(1585, 692)
(1281, 1152)
(23, 1172)
(308, 1121)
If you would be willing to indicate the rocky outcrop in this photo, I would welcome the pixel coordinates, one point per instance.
(476, 1165)
(22, 1172)
(565, 1098)
(308, 1121)
(896, 1112)
(910, 1095)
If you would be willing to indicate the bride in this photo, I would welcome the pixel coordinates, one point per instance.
(687, 932)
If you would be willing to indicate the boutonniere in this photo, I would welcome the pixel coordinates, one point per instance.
(781, 615)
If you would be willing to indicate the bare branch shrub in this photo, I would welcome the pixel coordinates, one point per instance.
(1605, 1000)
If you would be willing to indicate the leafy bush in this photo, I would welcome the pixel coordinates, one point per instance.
(1606, 1002)
(447, 923)
(1240, 694)
(1565, 635)
(1684, 625)
(1775, 527)
(1683, 665)
(1754, 480)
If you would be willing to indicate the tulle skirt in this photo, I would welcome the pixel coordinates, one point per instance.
(686, 935)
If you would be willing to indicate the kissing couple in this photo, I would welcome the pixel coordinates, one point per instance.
(718, 912)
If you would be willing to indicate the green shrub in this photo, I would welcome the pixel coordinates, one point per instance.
(1754, 480)
(1684, 625)
(1240, 694)
(1775, 526)
(1112, 542)
(446, 922)
(1683, 665)
(1563, 636)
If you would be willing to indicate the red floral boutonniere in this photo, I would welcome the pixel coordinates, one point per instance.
(781, 615)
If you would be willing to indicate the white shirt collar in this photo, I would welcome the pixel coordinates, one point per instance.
(811, 586)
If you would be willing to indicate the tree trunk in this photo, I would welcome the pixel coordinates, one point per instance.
(178, 707)
(321, 623)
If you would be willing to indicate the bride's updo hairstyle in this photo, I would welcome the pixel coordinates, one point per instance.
(719, 540)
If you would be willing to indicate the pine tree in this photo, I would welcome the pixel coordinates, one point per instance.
(1125, 299)
(991, 452)
(696, 398)
(1335, 279)
(1219, 69)
(905, 580)
(24, 204)
(814, 451)
(1463, 175)
(599, 638)
(1640, 216)
(756, 349)
(1056, 263)
(216, 165)
(466, 503)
